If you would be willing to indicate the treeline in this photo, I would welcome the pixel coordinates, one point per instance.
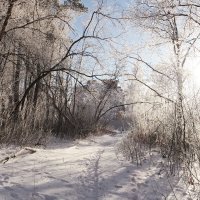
(40, 70)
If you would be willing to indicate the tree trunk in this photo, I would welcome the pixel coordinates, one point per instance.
(16, 82)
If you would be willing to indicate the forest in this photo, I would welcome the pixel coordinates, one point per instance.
(100, 98)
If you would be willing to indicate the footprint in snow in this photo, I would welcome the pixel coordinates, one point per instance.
(17, 185)
(43, 197)
(133, 179)
(139, 185)
(14, 195)
(6, 178)
(134, 190)
(179, 189)
(118, 186)
(47, 197)
(8, 188)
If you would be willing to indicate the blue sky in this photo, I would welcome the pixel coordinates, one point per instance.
(130, 38)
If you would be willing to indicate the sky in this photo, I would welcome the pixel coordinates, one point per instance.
(133, 38)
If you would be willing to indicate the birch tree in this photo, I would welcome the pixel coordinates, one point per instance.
(173, 26)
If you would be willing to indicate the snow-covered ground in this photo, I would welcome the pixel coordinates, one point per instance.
(86, 170)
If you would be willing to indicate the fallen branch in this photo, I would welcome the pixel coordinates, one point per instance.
(26, 150)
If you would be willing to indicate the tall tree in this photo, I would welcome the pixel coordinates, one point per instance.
(172, 27)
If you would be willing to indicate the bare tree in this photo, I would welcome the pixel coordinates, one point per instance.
(175, 31)
(39, 44)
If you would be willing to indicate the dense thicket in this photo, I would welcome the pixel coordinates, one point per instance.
(40, 72)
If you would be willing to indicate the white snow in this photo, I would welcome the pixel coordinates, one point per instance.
(86, 170)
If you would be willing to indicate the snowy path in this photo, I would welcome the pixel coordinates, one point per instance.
(85, 170)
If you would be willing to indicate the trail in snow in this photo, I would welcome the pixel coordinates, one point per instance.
(85, 170)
